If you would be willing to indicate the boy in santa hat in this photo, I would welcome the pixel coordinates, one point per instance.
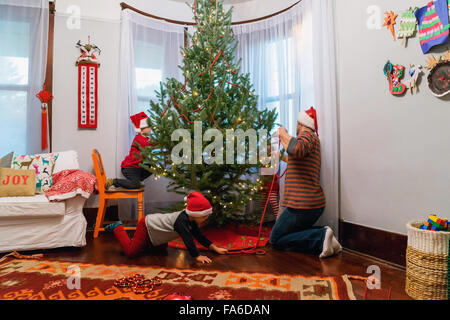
(130, 167)
(304, 199)
(156, 230)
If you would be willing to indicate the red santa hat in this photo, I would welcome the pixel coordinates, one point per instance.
(198, 206)
(139, 121)
(308, 118)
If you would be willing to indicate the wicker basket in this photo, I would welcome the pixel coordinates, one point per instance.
(427, 263)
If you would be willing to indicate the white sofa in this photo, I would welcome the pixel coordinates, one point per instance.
(34, 223)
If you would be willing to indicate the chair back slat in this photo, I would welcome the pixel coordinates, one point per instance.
(99, 170)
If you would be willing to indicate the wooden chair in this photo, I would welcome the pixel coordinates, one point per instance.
(104, 195)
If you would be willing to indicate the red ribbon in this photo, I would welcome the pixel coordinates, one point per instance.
(229, 68)
(184, 116)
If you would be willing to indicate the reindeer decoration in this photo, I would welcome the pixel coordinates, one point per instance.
(87, 53)
(415, 72)
(26, 163)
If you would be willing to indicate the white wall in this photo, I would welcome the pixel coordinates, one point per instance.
(66, 134)
(394, 151)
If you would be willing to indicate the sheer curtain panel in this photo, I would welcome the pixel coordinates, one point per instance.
(291, 59)
(150, 52)
(23, 59)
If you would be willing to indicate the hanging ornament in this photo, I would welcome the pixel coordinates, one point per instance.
(439, 76)
(45, 97)
(433, 24)
(390, 21)
(414, 72)
(88, 65)
(408, 25)
(394, 74)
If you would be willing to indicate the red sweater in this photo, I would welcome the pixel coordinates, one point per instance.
(131, 160)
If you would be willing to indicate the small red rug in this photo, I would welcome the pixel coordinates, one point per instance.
(233, 237)
(26, 279)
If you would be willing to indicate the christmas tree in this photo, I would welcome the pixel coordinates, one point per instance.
(215, 95)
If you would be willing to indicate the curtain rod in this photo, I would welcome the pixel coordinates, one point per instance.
(127, 6)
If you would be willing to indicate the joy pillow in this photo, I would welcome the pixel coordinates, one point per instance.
(16, 183)
(42, 164)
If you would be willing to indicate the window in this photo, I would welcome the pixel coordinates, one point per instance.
(24, 30)
(14, 66)
(148, 70)
(279, 88)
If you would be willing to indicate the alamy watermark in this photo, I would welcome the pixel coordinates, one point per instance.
(74, 280)
(374, 281)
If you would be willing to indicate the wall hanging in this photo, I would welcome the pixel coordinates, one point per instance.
(394, 74)
(433, 24)
(390, 21)
(45, 97)
(414, 72)
(408, 25)
(88, 65)
(439, 76)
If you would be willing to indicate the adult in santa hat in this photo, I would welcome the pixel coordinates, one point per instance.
(130, 167)
(158, 229)
(303, 199)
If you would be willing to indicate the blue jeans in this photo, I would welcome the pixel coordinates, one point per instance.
(294, 231)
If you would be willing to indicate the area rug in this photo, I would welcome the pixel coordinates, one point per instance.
(24, 279)
(231, 238)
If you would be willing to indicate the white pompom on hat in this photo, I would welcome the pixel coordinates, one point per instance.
(139, 121)
(308, 118)
(198, 206)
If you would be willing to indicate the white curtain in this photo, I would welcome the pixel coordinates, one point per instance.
(150, 51)
(23, 61)
(291, 59)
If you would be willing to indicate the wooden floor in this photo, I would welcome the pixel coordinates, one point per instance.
(105, 250)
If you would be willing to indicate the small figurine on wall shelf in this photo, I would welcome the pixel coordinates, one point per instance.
(87, 53)
(394, 74)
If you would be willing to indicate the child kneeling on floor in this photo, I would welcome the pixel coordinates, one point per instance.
(159, 229)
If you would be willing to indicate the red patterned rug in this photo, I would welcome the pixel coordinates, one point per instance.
(25, 279)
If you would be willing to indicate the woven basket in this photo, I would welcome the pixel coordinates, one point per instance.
(427, 263)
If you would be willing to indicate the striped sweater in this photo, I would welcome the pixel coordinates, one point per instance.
(302, 185)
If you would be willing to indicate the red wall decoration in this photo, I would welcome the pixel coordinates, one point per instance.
(88, 65)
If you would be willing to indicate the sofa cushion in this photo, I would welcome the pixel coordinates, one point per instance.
(43, 165)
(30, 207)
(17, 182)
(66, 160)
